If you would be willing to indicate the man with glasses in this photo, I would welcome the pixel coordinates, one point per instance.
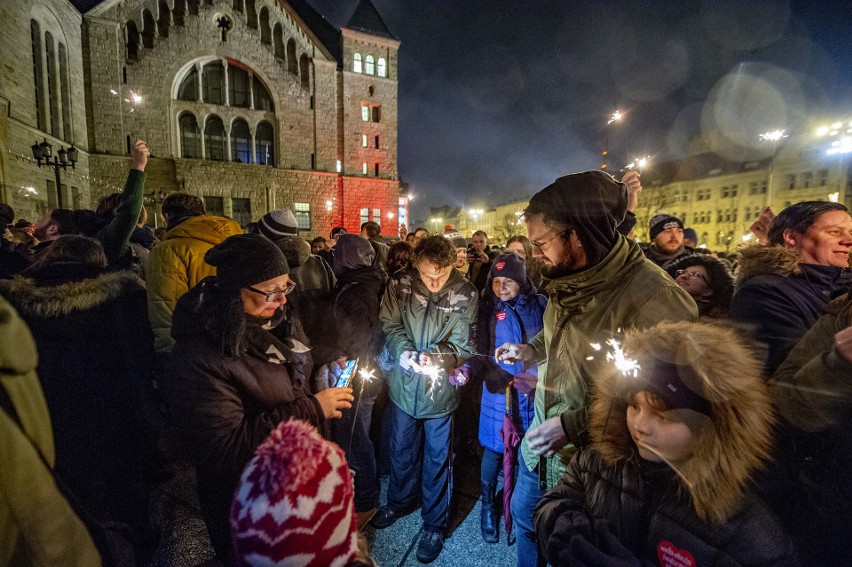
(601, 284)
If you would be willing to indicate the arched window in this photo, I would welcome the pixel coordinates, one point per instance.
(148, 26)
(240, 141)
(264, 144)
(214, 83)
(38, 74)
(179, 12)
(132, 41)
(238, 5)
(52, 88)
(214, 138)
(262, 98)
(188, 89)
(238, 84)
(305, 70)
(292, 62)
(278, 41)
(64, 93)
(190, 140)
(370, 65)
(251, 14)
(265, 31)
(165, 19)
(356, 63)
(382, 68)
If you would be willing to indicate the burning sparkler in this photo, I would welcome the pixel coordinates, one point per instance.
(616, 355)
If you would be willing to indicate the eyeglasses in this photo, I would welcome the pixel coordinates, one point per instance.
(690, 275)
(540, 245)
(276, 294)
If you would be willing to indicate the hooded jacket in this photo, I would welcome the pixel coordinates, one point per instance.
(623, 291)
(37, 526)
(177, 264)
(440, 323)
(703, 514)
(781, 297)
(810, 482)
(95, 367)
(498, 322)
(228, 405)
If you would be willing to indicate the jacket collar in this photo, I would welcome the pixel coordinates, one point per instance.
(602, 275)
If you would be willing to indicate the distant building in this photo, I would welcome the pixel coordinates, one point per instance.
(251, 104)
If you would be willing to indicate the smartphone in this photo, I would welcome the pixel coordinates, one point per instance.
(348, 372)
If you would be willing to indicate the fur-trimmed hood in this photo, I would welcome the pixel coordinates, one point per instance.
(47, 301)
(714, 362)
(759, 260)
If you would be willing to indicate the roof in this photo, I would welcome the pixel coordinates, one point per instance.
(366, 19)
(697, 167)
(326, 33)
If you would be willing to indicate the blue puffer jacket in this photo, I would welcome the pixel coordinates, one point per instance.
(499, 322)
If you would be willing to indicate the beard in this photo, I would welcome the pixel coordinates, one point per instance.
(569, 262)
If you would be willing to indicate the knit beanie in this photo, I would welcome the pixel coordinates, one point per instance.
(690, 234)
(246, 259)
(511, 266)
(663, 221)
(7, 215)
(455, 237)
(676, 384)
(294, 503)
(278, 223)
(351, 253)
(591, 203)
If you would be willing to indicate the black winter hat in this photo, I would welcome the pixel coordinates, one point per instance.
(591, 203)
(661, 222)
(511, 266)
(246, 259)
(7, 215)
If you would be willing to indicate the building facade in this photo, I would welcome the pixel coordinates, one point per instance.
(251, 104)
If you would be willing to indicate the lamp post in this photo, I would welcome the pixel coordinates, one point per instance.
(437, 221)
(64, 158)
(155, 198)
(772, 136)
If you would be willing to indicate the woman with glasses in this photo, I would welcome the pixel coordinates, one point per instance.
(233, 380)
(707, 280)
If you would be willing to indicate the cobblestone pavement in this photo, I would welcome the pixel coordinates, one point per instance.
(184, 537)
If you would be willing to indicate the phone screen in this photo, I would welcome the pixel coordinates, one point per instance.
(348, 372)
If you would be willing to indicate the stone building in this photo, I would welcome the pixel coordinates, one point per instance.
(251, 104)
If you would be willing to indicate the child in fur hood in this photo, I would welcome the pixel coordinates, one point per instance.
(666, 480)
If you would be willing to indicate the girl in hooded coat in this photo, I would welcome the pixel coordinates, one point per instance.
(510, 311)
(675, 442)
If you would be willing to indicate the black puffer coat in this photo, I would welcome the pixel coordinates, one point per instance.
(229, 405)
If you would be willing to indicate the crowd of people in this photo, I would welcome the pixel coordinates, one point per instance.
(642, 403)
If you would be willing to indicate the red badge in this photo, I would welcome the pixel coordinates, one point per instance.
(499, 266)
(671, 556)
(501, 315)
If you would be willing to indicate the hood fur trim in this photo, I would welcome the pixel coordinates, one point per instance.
(760, 260)
(730, 446)
(59, 300)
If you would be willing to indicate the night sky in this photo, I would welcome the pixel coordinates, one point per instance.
(498, 98)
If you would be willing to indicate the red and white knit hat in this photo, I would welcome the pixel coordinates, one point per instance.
(294, 504)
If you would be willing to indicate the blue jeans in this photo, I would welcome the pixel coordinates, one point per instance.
(352, 433)
(420, 451)
(525, 498)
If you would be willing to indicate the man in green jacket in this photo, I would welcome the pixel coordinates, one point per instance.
(427, 315)
(599, 284)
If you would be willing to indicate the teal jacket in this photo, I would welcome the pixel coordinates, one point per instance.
(441, 323)
(624, 291)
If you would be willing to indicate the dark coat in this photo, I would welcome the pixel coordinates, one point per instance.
(95, 364)
(229, 405)
(356, 314)
(782, 298)
(477, 272)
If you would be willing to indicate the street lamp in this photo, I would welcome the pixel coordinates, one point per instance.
(64, 158)
(616, 117)
(437, 221)
(155, 198)
(772, 136)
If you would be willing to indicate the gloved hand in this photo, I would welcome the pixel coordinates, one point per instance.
(425, 359)
(406, 359)
(460, 376)
(525, 382)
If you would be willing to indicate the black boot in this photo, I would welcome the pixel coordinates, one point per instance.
(487, 518)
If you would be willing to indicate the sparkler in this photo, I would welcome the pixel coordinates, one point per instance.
(616, 355)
